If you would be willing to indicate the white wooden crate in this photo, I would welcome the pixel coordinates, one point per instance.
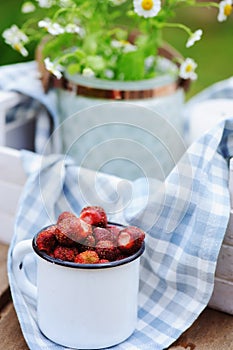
(17, 133)
(12, 179)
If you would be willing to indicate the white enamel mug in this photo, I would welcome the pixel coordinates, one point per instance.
(84, 306)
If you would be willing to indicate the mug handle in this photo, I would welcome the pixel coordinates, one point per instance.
(19, 252)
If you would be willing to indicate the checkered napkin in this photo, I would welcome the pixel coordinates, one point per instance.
(185, 218)
(23, 78)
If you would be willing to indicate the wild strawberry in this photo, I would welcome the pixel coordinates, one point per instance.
(87, 244)
(63, 239)
(46, 239)
(103, 261)
(65, 253)
(74, 228)
(115, 229)
(94, 215)
(87, 257)
(107, 250)
(130, 239)
(102, 234)
(64, 215)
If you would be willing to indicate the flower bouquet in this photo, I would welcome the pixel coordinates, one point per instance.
(107, 39)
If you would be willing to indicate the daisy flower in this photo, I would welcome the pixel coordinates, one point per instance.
(187, 69)
(28, 7)
(225, 9)
(74, 28)
(52, 28)
(88, 72)
(123, 45)
(45, 3)
(16, 38)
(194, 37)
(147, 8)
(53, 68)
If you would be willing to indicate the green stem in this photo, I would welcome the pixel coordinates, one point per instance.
(207, 4)
(176, 25)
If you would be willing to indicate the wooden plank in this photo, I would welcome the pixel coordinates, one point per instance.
(212, 331)
(11, 337)
(4, 287)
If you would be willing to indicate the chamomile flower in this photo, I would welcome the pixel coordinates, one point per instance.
(187, 69)
(74, 28)
(196, 36)
(147, 8)
(52, 28)
(45, 3)
(28, 7)
(53, 68)
(16, 38)
(123, 45)
(88, 72)
(225, 9)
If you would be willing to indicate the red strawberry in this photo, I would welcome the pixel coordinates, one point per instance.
(63, 239)
(103, 261)
(87, 257)
(107, 250)
(115, 229)
(102, 234)
(46, 239)
(130, 239)
(74, 228)
(64, 215)
(65, 253)
(94, 215)
(87, 244)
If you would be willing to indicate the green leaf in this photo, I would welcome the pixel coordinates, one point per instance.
(96, 63)
(131, 66)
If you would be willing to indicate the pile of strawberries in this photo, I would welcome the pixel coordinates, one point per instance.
(89, 239)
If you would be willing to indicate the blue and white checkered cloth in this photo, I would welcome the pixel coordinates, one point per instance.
(185, 219)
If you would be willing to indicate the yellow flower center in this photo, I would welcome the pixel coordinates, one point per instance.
(189, 68)
(147, 4)
(17, 47)
(227, 10)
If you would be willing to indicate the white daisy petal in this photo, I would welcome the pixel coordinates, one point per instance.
(53, 68)
(225, 9)
(147, 8)
(28, 7)
(45, 3)
(194, 37)
(187, 69)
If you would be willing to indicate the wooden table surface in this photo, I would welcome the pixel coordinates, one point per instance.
(213, 330)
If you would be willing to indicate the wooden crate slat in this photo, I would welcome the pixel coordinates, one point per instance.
(11, 169)
(222, 296)
(9, 196)
(225, 263)
(4, 286)
(7, 227)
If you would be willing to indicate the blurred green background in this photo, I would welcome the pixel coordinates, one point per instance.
(213, 53)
